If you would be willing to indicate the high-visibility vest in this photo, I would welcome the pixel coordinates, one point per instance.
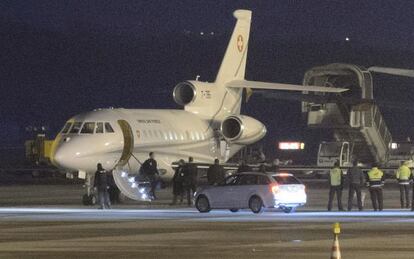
(403, 174)
(375, 177)
(335, 176)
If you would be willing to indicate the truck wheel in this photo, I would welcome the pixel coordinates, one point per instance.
(256, 204)
(234, 210)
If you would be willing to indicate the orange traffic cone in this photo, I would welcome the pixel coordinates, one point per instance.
(336, 252)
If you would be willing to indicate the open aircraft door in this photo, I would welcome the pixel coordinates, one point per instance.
(124, 175)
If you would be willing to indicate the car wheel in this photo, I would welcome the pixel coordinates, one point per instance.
(202, 204)
(234, 210)
(289, 209)
(256, 204)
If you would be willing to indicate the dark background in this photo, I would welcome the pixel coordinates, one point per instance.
(59, 58)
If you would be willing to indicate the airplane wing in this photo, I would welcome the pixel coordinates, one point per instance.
(392, 71)
(279, 86)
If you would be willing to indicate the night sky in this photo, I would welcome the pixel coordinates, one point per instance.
(60, 58)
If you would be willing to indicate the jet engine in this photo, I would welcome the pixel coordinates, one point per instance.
(241, 129)
(184, 93)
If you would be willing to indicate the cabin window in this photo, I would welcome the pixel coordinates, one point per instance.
(99, 127)
(66, 128)
(88, 128)
(108, 128)
(76, 127)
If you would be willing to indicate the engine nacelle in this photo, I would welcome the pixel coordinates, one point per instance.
(241, 129)
(184, 93)
(197, 97)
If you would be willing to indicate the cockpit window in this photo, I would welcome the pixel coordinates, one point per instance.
(66, 127)
(99, 127)
(108, 128)
(76, 127)
(88, 128)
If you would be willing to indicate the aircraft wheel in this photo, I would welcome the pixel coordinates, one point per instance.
(88, 200)
(288, 209)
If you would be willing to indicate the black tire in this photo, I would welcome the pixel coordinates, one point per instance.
(202, 204)
(234, 210)
(88, 200)
(256, 204)
(288, 209)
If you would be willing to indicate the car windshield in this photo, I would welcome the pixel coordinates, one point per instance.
(286, 179)
(330, 149)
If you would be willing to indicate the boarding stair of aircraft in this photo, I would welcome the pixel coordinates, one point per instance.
(360, 124)
(126, 176)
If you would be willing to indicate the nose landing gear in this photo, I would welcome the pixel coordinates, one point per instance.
(89, 198)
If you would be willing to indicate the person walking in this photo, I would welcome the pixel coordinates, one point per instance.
(101, 183)
(355, 178)
(188, 181)
(178, 182)
(336, 186)
(404, 177)
(193, 172)
(150, 171)
(375, 184)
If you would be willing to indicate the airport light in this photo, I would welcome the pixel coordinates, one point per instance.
(291, 145)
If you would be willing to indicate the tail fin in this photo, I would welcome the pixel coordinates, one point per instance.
(233, 65)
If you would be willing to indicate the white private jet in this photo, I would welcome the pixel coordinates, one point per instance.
(209, 127)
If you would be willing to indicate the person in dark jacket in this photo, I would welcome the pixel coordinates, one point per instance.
(193, 172)
(243, 167)
(355, 178)
(178, 181)
(101, 183)
(215, 173)
(150, 171)
(189, 180)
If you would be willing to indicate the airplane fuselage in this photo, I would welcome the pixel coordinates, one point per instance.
(170, 134)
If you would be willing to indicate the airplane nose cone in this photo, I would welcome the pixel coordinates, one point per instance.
(61, 158)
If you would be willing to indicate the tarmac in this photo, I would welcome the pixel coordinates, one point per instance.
(46, 221)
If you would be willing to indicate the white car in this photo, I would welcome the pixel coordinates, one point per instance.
(256, 191)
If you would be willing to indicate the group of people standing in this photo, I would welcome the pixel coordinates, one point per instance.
(374, 179)
(184, 181)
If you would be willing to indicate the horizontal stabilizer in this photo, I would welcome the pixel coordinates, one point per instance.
(286, 87)
(392, 71)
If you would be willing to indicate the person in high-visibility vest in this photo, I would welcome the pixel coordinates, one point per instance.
(375, 183)
(404, 176)
(336, 186)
